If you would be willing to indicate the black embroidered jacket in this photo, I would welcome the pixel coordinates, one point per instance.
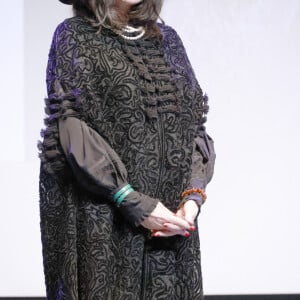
(119, 111)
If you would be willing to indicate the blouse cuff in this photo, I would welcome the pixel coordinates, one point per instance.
(136, 207)
(197, 183)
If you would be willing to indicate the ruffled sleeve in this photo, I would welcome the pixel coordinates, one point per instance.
(203, 160)
(204, 155)
(99, 169)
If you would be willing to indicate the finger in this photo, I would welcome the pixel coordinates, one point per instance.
(178, 221)
(169, 217)
(166, 233)
(172, 227)
(153, 224)
(180, 213)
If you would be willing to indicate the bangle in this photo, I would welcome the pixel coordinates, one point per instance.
(122, 193)
(194, 190)
(123, 196)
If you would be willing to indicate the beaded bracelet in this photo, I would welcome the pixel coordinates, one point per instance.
(122, 193)
(194, 190)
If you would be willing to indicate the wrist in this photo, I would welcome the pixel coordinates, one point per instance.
(136, 207)
(119, 195)
(194, 197)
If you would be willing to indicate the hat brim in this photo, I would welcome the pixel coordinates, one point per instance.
(66, 1)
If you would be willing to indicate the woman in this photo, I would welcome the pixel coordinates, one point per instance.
(124, 159)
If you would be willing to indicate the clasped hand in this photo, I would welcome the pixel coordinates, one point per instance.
(163, 223)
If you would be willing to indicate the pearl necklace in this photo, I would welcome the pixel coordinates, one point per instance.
(129, 29)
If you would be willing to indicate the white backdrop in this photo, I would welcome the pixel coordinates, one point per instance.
(246, 54)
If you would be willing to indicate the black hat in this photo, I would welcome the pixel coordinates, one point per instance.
(66, 1)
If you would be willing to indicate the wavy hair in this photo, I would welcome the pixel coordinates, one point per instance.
(105, 13)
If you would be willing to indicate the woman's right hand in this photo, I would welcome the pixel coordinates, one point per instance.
(163, 220)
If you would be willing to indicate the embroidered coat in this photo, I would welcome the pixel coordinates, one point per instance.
(119, 111)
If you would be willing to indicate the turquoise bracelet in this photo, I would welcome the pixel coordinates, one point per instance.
(122, 193)
(123, 196)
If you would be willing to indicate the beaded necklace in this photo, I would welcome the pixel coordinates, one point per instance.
(132, 33)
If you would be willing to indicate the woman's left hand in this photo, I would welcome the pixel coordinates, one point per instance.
(188, 211)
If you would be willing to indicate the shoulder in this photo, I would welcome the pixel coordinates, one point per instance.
(169, 34)
(72, 28)
(166, 28)
(168, 31)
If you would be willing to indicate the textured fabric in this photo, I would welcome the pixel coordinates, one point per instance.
(99, 169)
(143, 99)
